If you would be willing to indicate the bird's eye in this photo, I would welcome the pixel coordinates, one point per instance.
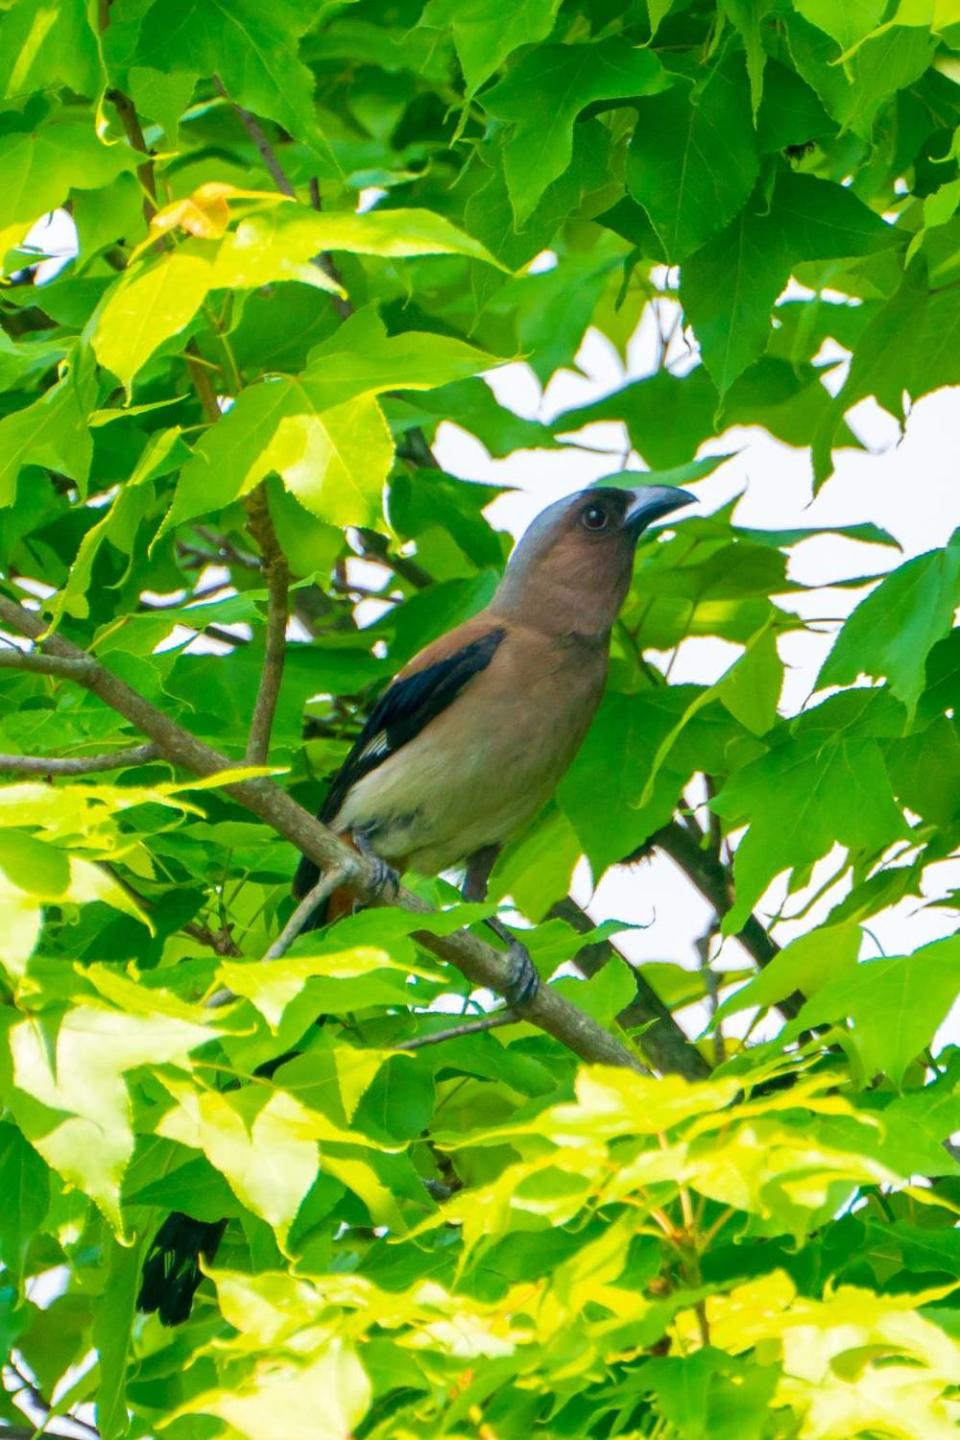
(594, 517)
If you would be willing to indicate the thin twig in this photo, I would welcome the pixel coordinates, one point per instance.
(277, 576)
(509, 1016)
(226, 550)
(479, 962)
(325, 261)
(283, 183)
(82, 765)
(146, 173)
(201, 382)
(266, 150)
(374, 546)
(30, 1388)
(220, 941)
(308, 906)
(713, 881)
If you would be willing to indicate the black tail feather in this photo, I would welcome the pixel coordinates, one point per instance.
(171, 1272)
(303, 882)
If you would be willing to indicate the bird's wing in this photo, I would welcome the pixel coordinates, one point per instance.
(418, 694)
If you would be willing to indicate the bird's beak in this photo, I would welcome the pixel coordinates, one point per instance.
(650, 502)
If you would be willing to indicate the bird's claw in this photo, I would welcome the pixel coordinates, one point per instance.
(386, 880)
(523, 982)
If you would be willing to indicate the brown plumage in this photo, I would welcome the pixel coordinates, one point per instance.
(468, 742)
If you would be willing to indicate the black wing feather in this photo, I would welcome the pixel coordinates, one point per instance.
(404, 709)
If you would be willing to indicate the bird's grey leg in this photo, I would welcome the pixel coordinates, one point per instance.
(524, 982)
(386, 880)
(479, 865)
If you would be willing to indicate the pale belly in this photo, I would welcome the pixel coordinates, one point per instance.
(455, 788)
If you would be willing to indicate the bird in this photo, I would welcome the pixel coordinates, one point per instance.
(463, 749)
(470, 739)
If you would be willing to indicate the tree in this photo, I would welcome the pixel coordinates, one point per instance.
(304, 233)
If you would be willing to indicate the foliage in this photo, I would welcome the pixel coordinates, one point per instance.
(305, 232)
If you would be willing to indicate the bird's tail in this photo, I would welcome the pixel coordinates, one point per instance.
(171, 1272)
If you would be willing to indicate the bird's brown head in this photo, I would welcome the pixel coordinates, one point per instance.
(571, 570)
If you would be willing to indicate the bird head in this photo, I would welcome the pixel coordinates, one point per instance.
(571, 570)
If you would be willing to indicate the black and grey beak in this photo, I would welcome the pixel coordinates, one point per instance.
(650, 502)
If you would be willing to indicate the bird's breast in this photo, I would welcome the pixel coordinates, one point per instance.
(481, 770)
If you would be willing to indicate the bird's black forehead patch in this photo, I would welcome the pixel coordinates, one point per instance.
(606, 495)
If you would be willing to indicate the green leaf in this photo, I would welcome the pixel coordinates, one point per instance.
(605, 994)
(910, 346)
(114, 1317)
(253, 49)
(891, 632)
(888, 60)
(323, 1398)
(657, 10)
(848, 23)
(346, 980)
(544, 93)
(748, 17)
(156, 300)
(69, 1095)
(119, 525)
(323, 432)
(807, 964)
(52, 431)
(692, 162)
(233, 1129)
(709, 1395)
(485, 34)
(730, 285)
(799, 800)
(894, 1005)
(146, 308)
(26, 1182)
(42, 166)
(39, 45)
(750, 689)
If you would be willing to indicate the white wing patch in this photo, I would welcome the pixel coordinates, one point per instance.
(377, 747)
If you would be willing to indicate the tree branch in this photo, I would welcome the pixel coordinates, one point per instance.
(664, 1042)
(82, 765)
(59, 666)
(479, 962)
(277, 576)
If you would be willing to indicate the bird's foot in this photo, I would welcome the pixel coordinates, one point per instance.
(523, 982)
(386, 880)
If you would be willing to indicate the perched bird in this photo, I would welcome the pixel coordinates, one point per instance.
(467, 744)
